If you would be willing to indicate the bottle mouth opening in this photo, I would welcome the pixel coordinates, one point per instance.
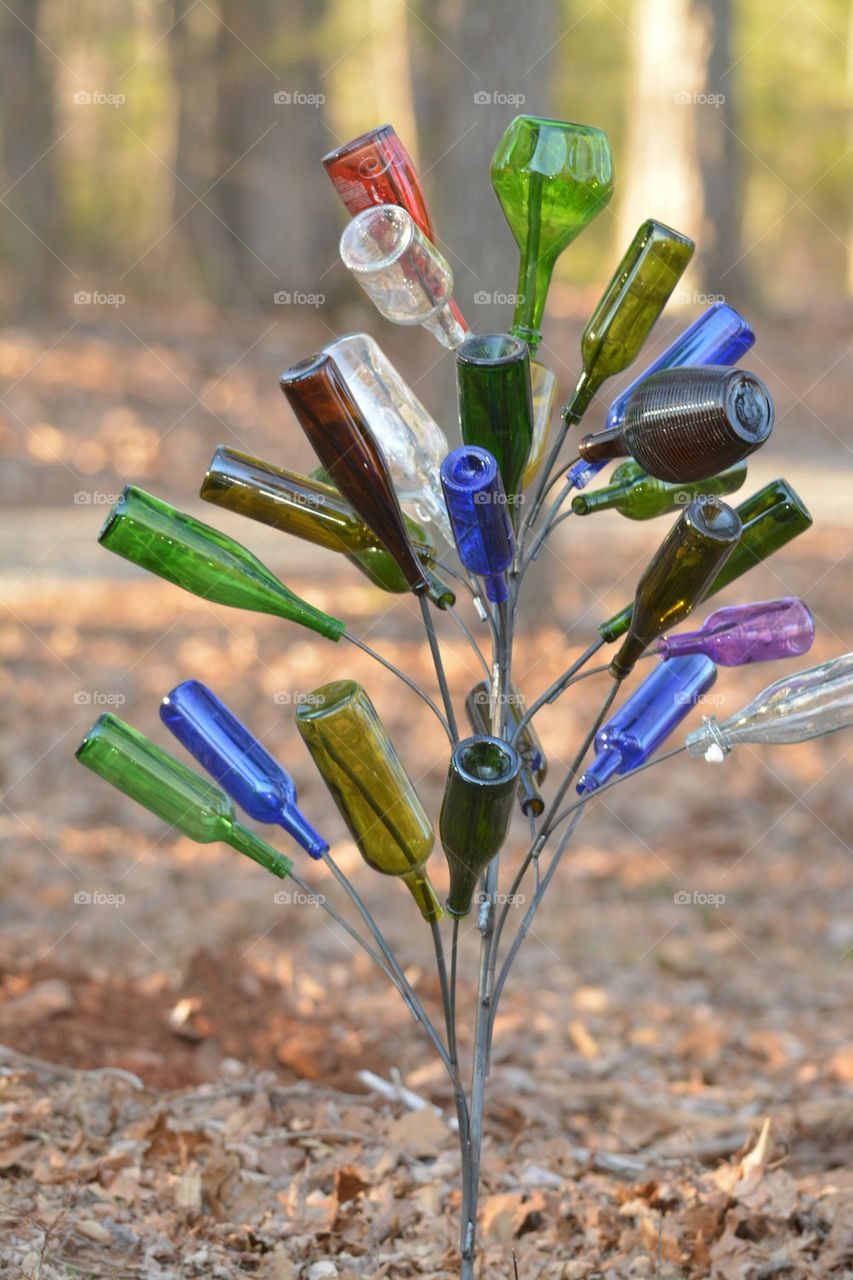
(376, 238)
(121, 508)
(749, 407)
(469, 467)
(714, 518)
(372, 135)
(491, 349)
(326, 700)
(486, 760)
(304, 368)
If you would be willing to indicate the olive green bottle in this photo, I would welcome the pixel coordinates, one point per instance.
(534, 765)
(688, 560)
(203, 561)
(771, 518)
(496, 403)
(476, 811)
(314, 510)
(181, 797)
(635, 494)
(654, 263)
(357, 761)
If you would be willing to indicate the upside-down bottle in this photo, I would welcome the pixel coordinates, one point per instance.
(798, 707)
(745, 633)
(477, 506)
(495, 407)
(476, 811)
(366, 779)
(178, 795)
(638, 496)
(240, 764)
(534, 765)
(678, 575)
(203, 561)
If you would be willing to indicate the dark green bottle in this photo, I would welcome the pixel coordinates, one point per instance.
(476, 811)
(203, 561)
(314, 510)
(367, 781)
(771, 518)
(687, 562)
(654, 263)
(534, 765)
(181, 797)
(496, 404)
(635, 494)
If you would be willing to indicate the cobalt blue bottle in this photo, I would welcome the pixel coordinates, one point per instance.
(244, 768)
(477, 506)
(648, 717)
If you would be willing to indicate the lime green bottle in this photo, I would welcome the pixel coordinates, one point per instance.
(376, 799)
(181, 797)
(551, 178)
(203, 561)
(635, 494)
(654, 263)
(771, 518)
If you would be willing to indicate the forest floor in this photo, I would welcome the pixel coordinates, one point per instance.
(181, 1087)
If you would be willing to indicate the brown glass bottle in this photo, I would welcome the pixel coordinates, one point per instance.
(348, 450)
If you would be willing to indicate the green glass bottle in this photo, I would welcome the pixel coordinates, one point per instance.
(203, 561)
(476, 811)
(688, 560)
(315, 511)
(771, 518)
(656, 259)
(551, 178)
(534, 764)
(635, 494)
(181, 797)
(357, 761)
(495, 403)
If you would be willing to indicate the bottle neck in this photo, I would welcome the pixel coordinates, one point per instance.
(246, 842)
(300, 828)
(447, 326)
(418, 884)
(678, 646)
(600, 499)
(580, 399)
(603, 767)
(602, 446)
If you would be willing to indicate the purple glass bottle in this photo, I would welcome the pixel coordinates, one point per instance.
(746, 633)
(648, 717)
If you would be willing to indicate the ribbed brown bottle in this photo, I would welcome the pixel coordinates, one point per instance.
(348, 450)
(686, 424)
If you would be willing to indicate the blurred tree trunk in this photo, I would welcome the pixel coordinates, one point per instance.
(850, 136)
(681, 163)
(32, 233)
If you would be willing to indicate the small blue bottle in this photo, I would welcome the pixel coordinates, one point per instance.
(648, 717)
(719, 336)
(251, 776)
(477, 506)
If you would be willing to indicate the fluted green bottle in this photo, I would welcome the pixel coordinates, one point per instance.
(476, 812)
(688, 560)
(771, 518)
(635, 494)
(654, 263)
(534, 764)
(495, 403)
(313, 510)
(204, 561)
(181, 797)
(377, 800)
(551, 178)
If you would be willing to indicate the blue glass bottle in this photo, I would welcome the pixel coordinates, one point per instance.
(719, 336)
(240, 764)
(477, 506)
(648, 717)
